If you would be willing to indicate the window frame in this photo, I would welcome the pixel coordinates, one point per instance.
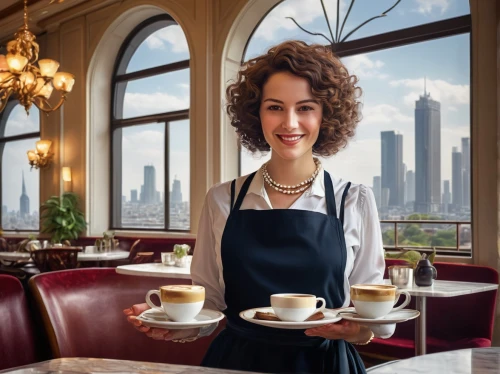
(127, 50)
(398, 38)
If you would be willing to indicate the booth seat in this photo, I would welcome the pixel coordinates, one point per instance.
(18, 340)
(452, 322)
(82, 315)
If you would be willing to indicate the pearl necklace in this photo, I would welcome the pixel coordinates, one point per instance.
(302, 186)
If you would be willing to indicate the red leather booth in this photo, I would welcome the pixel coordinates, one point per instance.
(82, 314)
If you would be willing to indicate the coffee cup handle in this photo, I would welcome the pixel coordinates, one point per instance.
(150, 303)
(405, 303)
(322, 307)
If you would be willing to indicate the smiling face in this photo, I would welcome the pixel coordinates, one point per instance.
(290, 116)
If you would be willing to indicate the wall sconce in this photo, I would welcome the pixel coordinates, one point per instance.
(41, 157)
(66, 177)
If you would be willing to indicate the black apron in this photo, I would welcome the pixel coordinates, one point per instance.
(281, 251)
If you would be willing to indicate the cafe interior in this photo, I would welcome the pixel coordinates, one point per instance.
(113, 128)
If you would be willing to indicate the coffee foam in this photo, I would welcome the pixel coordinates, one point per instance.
(373, 292)
(293, 301)
(182, 293)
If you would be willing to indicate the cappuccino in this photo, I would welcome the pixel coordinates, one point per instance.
(296, 307)
(181, 303)
(376, 300)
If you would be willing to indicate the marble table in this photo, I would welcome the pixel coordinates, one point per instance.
(463, 361)
(440, 288)
(99, 365)
(155, 270)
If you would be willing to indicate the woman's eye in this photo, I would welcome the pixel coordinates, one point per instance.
(274, 107)
(305, 108)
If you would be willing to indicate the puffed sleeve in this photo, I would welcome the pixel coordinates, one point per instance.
(369, 264)
(204, 268)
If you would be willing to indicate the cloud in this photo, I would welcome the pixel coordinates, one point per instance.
(20, 123)
(172, 35)
(446, 93)
(427, 6)
(364, 67)
(137, 104)
(304, 12)
(384, 114)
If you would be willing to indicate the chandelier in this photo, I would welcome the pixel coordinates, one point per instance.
(28, 83)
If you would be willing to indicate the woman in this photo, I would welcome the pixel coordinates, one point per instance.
(290, 226)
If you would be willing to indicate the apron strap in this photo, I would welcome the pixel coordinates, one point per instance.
(243, 191)
(346, 190)
(233, 188)
(331, 205)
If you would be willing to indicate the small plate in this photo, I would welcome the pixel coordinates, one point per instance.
(393, 317)
(155, 318)
(331, 316)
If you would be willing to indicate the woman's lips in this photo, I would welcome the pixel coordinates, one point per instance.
(290, 139)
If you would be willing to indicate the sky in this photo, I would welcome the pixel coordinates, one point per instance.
(391, 80)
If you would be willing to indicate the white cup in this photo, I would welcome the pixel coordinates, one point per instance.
(295, 307)
(377, 300)
(181, 303)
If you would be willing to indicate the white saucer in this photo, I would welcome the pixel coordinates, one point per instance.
(154, 318)
(331, 316)
(393, 317)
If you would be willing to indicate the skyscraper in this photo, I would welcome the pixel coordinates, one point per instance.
(466, 172)
(410, 186)
(446, 196)
(133, 196)
(148, 192)
(456, 178)
(377, 190)
(427, 154)
(24, 201)
(176, 195)
(392, 176)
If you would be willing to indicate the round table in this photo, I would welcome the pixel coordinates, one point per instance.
(155, 270)
(462, 361)
(82, 256)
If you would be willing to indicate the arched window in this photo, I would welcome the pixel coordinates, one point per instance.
(20, 197)
(150, 129)
(413, 144)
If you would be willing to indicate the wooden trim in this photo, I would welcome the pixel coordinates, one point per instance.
(17, 7)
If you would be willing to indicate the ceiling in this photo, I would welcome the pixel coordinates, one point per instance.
(11, 14)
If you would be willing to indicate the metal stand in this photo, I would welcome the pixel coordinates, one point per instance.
(420, 326)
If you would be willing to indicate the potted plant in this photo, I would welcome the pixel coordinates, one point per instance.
(181, 254)
(62, 218)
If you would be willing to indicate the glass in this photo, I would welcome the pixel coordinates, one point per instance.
(179, 175)
(158, 94)
(20, 187)
(275, 27)
(141, 150)
(164, 46)
(19, 122)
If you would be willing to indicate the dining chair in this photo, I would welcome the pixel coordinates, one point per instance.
(452, 322)
(82, 314)
(17, 330)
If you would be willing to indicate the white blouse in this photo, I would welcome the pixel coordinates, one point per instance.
(365, 256)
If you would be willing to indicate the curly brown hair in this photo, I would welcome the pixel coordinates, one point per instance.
(330, 83)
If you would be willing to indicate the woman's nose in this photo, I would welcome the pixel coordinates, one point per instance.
(290, 122)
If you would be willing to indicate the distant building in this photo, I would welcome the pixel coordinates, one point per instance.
(176, 194)
(24, 201)
(392, 176)
(377, 190)
(148, 189)
(446, 196)
(133, 196)
(410, 186)
(466, 172)
(427, 154)
(456, 178)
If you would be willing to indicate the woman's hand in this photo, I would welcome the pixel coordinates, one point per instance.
(156, 333)
(347, 330)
